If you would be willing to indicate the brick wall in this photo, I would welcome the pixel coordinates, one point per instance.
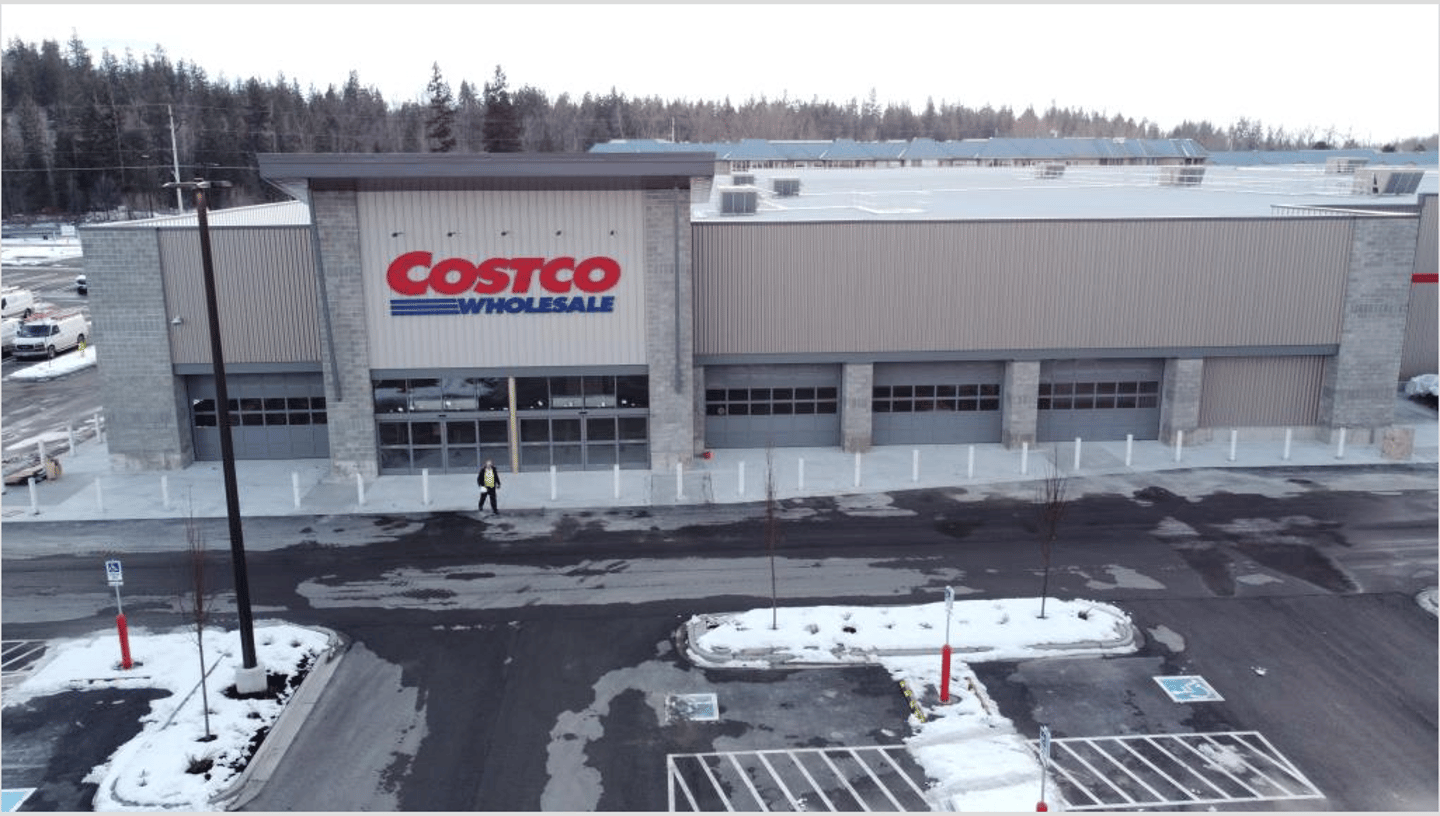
(856, 406)
(669, 328)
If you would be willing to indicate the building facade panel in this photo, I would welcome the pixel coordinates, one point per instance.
(264, 290)
(937, 403)
(1015, 284)
(505, 327)
(1261, 391)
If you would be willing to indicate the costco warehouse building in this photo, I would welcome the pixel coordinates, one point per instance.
(582, 311)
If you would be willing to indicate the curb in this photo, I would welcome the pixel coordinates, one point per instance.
(277, 743)
(687, 637)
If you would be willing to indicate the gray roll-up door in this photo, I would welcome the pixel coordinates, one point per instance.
(779, 405)
(936, 403)
(273, 416)
(1099, 399)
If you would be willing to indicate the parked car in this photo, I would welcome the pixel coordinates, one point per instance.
(50, 334)
(17, 302)
(82, 284)
(11, 325)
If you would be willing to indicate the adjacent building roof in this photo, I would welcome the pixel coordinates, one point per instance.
(841, 150)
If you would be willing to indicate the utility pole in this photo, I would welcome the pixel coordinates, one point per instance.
(175, 158)
(250, 678)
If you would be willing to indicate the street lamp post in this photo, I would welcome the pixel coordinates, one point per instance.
(250, 677)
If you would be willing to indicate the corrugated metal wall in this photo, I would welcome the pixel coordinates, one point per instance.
(909, 286)
(1261, 391)
(264, 289)
(1422, 332)
(1422, 327)
(469, 225)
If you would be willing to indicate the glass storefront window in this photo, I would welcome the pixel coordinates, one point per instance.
(532, 393)
(425, 395)
(633, 391)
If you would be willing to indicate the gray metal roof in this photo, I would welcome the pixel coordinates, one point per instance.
(282, 214)
(1082, 192)
(761, 150)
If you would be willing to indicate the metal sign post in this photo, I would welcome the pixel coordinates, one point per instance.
(945, 653)
(115, 576)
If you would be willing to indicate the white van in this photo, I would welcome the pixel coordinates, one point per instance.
(11, 324)
(50, 334)
(15, 301)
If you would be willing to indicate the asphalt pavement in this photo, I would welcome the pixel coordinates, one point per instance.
(88, 490)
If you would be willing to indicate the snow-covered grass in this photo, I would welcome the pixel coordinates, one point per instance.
(35, 251)
(153, 771)
(979, 760)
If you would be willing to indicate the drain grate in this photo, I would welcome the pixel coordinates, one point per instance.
(695, 707)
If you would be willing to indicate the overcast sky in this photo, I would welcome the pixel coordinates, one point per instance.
(1368, 71)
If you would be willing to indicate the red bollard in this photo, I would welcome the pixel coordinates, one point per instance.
(124, 641)
(1041, 807)
(945, 674)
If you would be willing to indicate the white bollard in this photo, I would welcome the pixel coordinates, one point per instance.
(40, 449)
(70, 436)
(1340, 447)
(1129, 448)
(359, 490)
(617, 481)
(165, 491)
(425, 487)
(679, 480)
(295, 488)
(1077, 454)
(740, 486)
(857, 468)
(99, 497)
(1286, 456)
(970, 463)
(1024, 457)
(34, 499)
(1234, 437)
(915, 465)
(802, 474)
(1179, 443)
(553, 486)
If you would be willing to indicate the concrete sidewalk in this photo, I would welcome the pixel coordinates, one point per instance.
(88, 490)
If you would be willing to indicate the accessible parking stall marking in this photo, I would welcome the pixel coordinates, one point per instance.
(1162, 771)
(836, 779)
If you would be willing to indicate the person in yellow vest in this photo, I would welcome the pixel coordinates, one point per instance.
(489, 482)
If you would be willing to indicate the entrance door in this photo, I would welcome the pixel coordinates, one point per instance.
(442, 444)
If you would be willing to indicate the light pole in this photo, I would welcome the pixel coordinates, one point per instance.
(250, 678)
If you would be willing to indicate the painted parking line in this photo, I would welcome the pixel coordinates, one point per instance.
(867, 778)
(17, 658)
(1160, 771)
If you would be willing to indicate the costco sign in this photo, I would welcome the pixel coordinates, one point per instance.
(503, 285)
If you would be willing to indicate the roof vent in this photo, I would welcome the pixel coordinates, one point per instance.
(742, 179)
(1188, 175)
(1387, 181)
(1045, 170)
(785, 187)
(737, 201)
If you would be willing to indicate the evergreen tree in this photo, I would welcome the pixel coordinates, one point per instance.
(440, 123)
(502, 121)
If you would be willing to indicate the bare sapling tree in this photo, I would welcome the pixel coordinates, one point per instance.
(196, 602)
(770, 532)
(1051, 508)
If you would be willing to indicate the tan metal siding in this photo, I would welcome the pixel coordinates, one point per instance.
(1250, 392)
(1427, 261)
(264, 289)
(870, 287)
(579, 224)
(1422, 332)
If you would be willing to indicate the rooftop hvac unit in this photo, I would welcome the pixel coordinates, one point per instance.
(742, 179)
(1387, 181)
(784, 187)
(1189, 175)
(737, 201)
(1046, 170)
(1344, 165)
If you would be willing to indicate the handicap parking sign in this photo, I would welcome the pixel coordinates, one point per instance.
(1188, 688)
(113, 573)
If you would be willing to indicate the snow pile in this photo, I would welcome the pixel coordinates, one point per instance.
(35, 251)
(58, 367)
(170, 765)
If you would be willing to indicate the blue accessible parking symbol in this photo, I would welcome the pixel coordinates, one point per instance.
(1188, 688)
(12, 799)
